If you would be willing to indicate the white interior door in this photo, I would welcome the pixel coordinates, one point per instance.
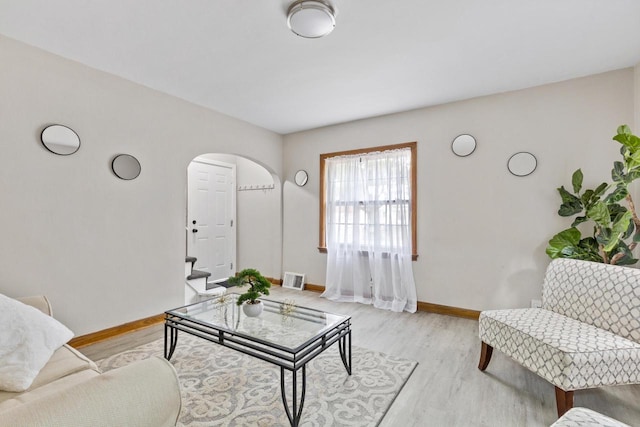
(211, 217)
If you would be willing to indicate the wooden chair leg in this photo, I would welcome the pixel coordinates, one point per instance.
(564, 401)
(485, 356)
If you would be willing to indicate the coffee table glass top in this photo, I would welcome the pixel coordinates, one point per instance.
(282, 325)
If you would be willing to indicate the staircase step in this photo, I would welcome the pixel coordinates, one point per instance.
(197, 274)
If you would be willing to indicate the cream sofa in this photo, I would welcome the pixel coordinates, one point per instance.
(586, 335)
(70, 391)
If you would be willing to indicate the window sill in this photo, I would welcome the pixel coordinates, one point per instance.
(323, 250)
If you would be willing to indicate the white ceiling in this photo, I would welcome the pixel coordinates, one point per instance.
(238, 56)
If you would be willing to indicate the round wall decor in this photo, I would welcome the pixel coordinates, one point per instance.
(463, 145)
(60, 139)
(126, 167)
(301, 178)
(522, 164)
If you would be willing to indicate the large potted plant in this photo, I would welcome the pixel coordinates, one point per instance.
(615, 227)
(258, 285)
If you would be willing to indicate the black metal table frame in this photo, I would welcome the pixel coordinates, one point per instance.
(288, 359)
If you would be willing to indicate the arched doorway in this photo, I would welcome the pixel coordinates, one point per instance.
(244, 229)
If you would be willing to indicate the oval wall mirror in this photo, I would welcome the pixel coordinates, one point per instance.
(463, 145)
(522, 164)
(126, 166)
(60, 140)
(301, 178)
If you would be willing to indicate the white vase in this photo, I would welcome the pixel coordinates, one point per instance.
(253, 310)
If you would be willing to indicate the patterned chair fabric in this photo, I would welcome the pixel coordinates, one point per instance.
(582, 417)
(602, 295)
(568, 353)
(587, 333)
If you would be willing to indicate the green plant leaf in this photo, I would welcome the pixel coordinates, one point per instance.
(603, 236)
(258, 285)
(617, 173)
(621, 224)
(566, 238)
(613, 226)
(632, 175)
(586, 249)
(600, 214)
(600, 189)
(627, 260)
(589, 244)
(586, 197)
(576, 181)
(630, 229)
(590, 197)
(618, 194)
(571, 204)
(610, 237)
(615, 209)
(623, 150)
(624, 130)
(626, 138)
(632, 159)
(579, 220)
(627, 256)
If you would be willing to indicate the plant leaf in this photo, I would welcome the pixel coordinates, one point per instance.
(623, 129)
(626, 138)
(566, 238)
(615, 209)
(621, 224)
(600, 189)
(579, 220)
(586, 249)
(617, 173)
(600, 214)
(630, 230)
(603, 237)
(590, 197)
(633, 174)
(589, 250)
(576, 181)
(610, 237)
(633, 159)
(618, 194)
(627, 258)
(571, 204)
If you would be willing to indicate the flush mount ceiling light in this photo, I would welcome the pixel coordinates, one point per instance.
(311, 18)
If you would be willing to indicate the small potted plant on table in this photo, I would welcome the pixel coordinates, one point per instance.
(258, 285)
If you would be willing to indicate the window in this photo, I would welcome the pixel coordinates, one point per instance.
(384, 200)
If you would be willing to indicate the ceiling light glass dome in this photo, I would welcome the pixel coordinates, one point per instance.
(311, 19)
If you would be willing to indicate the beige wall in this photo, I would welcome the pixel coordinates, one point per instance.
(482, 232)
(636, 87)
(105, 251)
(108, 251)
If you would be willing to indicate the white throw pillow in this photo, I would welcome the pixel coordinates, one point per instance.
(28, 338)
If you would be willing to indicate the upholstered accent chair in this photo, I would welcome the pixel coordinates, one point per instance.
(583, 417)
(585, 335)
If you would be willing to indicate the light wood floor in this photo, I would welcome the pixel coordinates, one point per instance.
(446, 389)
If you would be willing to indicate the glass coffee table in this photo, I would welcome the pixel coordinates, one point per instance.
(285, 334)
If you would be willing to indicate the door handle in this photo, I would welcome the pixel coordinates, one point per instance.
(194, 230)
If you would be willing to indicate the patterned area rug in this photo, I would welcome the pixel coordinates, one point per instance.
(223, 387)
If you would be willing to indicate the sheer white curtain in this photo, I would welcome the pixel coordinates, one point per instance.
(368, 230)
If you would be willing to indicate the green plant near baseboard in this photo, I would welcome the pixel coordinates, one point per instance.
(616, 228)
(258, 285)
